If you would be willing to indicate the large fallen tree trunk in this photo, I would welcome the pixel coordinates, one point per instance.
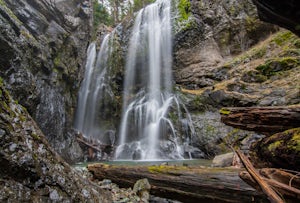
(267, 120)
(186, 184)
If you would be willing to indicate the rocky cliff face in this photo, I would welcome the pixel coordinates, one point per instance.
(30, 170)
(43, 45)
(216, 31)
(216, 64)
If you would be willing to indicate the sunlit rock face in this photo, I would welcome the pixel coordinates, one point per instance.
(282, 13)
(223, 56)
(44, 44)
(215, 31)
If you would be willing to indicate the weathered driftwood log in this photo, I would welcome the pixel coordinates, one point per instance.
(186, 184)
(268, 120)
(285, 183)
(93, 147)
(264, 186)
(280, 150)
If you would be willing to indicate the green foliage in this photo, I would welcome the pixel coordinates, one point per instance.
(184, 8)
(101, 15)
(183, 20)
(139, 4)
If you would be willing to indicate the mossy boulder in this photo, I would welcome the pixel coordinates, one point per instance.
(280, 150)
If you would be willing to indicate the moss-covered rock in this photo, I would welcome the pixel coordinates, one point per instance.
(273, 66)
(280, 150)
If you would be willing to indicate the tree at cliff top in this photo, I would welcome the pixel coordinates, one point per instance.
(112, 12)
(101, 15)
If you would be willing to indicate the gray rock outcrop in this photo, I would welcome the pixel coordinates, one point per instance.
(30, 170)
(43, 45)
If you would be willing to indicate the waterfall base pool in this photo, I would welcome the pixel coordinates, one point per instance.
(184, 162)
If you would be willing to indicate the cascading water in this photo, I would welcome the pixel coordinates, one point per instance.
(95, 94)
(149, 108)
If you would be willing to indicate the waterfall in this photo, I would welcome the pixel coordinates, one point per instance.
(150, 108)
(95, 92)
(154, 122)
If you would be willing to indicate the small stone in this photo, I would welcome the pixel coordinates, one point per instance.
(85, 193)
(223, 160)
(106, 182)
(2, 132)
(142, 188)
(12, 147)
(54, 195)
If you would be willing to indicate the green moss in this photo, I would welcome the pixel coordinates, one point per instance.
(9, 12)
(296, 140)
(184, 7)
(173, 116)
(210, 129)
(57, 61)
(224, 111)
(251, 24)
(35, 136)
(282, 37)
(296, 43)
(183, 20)
(272, 147)
(254, 76)
(272, 66)
(165, 168)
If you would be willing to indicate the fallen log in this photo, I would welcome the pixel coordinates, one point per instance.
(92, 147)
(286, 184)
(266, 120)
(183, 183)
(265, 187)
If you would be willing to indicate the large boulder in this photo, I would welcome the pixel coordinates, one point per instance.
(281, 150)
(30, 170)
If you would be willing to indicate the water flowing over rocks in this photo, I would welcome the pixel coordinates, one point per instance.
(44, 44)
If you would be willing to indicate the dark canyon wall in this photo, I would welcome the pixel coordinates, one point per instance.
(43, 47)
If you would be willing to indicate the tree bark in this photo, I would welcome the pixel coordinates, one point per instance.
(186, 184)
(266, 120)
